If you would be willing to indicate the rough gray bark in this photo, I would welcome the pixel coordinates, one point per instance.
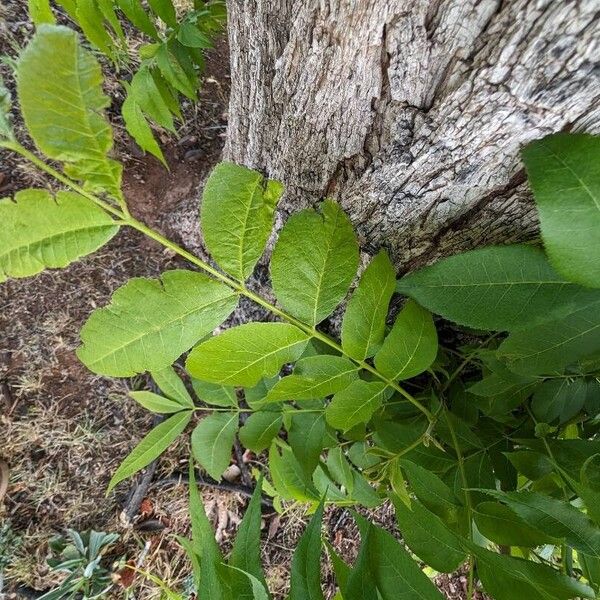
(410, 112)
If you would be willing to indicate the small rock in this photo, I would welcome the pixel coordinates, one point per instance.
(232, 472)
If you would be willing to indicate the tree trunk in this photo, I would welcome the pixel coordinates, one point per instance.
(410, 112)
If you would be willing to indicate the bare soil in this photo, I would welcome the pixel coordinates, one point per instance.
(63, 430)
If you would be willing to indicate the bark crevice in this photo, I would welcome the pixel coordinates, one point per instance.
(412, 113)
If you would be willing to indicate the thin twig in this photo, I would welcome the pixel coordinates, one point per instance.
(210, 483)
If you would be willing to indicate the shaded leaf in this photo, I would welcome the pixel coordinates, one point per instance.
(215, 393)
(428, 537)
(564, 173)
(497, 288)
(172, 386)
(155, 403)
(548, 514)
(506, 578)
(306, 563)
(289, 477)
(548, 348)
(559, 399)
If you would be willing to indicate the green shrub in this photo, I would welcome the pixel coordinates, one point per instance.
(489, 452)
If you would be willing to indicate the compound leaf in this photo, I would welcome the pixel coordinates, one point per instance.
(289, 478)
(411, 346)
(38, 231)
(245, 354)
(64, 112)
(151, 446)
(564, 172)
(212, 440)
(363, 326)
(150, 323)
(238, 205)
(496, 288)
(314, 262)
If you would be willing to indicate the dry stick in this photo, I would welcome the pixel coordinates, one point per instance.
(139, 491)
(210, 483)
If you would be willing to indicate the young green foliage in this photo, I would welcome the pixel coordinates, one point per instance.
(510, 417)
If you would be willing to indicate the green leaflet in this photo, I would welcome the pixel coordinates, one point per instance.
(534, 465)
(138, 127)
(314, 262)
(306, 562)
(559, 399)
(5, 116)
(165, 10)
(549, 347)
(501, 525)
(245, 554)
(289, 478)
(38, 231)
(91, 21)
(215, 393)
(315, 377)
(397, 575)
(122, 340)
(212, 440)
(174, 73)
(306, 436)
(245, 354)
(151, 446)
(144, 91)
(361, 584)
(363, 326)
(260, 428)
(355, 404)
(64, 113)
(171, 386)
(134, 11)
(155, 403)
(554, 516)
(431, 491)
(339, 469)
(204, 547)
(497, 288)
(410, 347)
(507, 578)
(428, 537)
(238, 207)
(40, 12)
(564, 172)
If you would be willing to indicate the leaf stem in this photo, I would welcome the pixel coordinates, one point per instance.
(467, 494)
(125, 218)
